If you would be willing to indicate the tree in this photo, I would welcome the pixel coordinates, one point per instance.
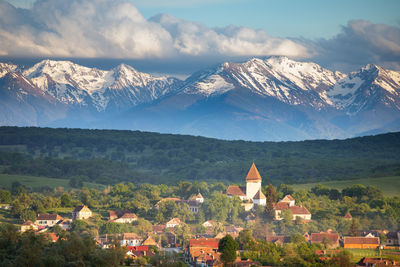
(272, 198)
(28, 214)
(228, 247)
(5, 196)
(66, 200)
(354, 228)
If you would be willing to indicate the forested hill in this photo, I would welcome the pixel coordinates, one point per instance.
(109, 156)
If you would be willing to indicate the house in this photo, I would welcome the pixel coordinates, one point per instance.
(392, 239)
(48, 220)
(208, 224)
(288, 199)
(150, 242)
(131, 239)
(375, 262)
(139, 251)
(173, 223)
(259, 198)
(81, 212)
(202, 251)
(193, 206)
(288, 203)
(122, 216)
(28, 225)
(360, 242)
(278, 239)
(329, 238)
(65, 224)
(158, 229)
(348, 216)
(198, 198)
(235, 191)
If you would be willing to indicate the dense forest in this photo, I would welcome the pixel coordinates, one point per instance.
(111, 156)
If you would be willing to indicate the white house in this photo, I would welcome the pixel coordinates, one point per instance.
(48, 220)
(131, 239)
(259, 198)
(81, 212)
(173, 223)
(288, 203)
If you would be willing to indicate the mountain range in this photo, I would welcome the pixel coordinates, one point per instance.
(272, 99)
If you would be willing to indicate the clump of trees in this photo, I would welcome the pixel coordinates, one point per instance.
(71, 249)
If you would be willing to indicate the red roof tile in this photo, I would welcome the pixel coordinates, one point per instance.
(234, 190)
(253, 175)
(319, 237)
(361, 240)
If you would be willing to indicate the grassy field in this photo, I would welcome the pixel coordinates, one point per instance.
(390, 186)
(37, 182)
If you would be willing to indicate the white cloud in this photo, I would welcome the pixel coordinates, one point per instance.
(116, 29)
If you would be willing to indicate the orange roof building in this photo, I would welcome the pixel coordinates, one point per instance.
(253, 175)
(360, 242)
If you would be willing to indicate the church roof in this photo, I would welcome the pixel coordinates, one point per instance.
(259, 195)
(234, 190)
(253, 175)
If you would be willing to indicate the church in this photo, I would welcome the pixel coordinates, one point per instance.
(250, 193)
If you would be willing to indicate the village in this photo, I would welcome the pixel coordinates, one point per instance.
(200, 247)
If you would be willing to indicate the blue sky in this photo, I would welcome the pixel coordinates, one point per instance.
(284, 18)
(337, 34)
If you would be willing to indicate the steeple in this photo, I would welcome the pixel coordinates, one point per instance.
(253, 176)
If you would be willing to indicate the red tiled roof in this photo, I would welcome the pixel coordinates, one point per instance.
(281, 206)
(234, 190)
(158, 228)
(49, 217)
(127, 236)
(129, 216)
(299, 210)
(28, 222)
(278, 239)
(360, 240)
(259, 195)
(138, 248)
(79, 208)
(319, 237)
(204, 242)
(348, 216)
(288, 197)
(253, 175)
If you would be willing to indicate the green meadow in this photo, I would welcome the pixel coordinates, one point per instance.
(390, 186)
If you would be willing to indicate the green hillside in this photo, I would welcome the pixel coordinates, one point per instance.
(110, 156)
(390, 186)
(37, 183)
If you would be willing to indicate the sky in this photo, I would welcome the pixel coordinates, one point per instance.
(185, 35)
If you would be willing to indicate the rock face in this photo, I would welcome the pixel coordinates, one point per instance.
(262, 99)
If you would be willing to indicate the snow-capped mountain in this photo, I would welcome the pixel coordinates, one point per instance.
(291, 82)
(274, 98)
(122, 87)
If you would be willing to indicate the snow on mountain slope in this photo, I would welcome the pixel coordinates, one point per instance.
(6, 68)
(366, 88)
(74, 84)
(295, 83)
(208, 82)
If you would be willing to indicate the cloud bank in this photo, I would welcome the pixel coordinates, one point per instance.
(116, 29)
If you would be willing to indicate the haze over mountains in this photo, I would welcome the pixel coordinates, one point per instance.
(262, 99)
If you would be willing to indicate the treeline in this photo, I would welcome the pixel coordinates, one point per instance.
(71, 249)
(109, 156)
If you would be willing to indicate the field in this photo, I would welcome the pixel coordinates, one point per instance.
(358, 254)
(38, 182)
(390, 186)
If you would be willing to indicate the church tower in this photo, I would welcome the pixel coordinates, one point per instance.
(253, 182)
